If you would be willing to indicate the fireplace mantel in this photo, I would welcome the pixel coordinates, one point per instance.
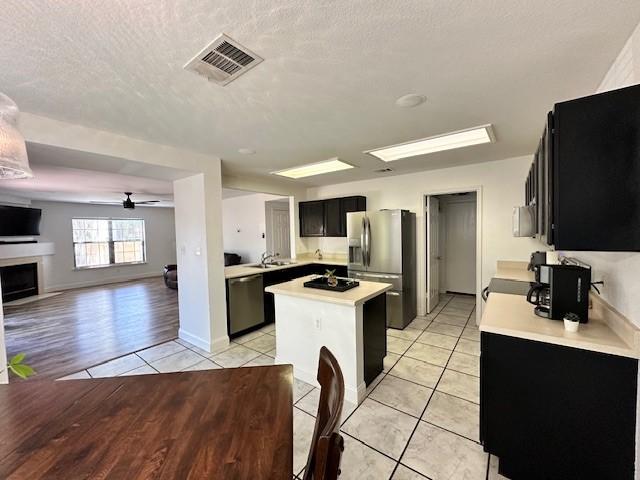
(19, 250)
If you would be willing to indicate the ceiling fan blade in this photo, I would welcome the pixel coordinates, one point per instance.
(105, 203)
(148, 201)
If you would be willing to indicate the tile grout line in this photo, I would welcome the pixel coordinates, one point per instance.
(435, 386)
(368, 396)
(434, 389)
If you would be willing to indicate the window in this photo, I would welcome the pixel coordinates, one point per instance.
(100, 242)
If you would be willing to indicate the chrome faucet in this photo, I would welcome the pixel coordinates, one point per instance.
(267, 257)
(318, 252)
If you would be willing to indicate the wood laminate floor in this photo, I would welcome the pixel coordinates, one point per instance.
(87, 326)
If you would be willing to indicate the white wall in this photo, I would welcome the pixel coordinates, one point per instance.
(244, 225)
(502, 188)
(201, 296)
(59, 272)
(619, 271)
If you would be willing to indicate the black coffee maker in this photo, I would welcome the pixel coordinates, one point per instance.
(561, 289)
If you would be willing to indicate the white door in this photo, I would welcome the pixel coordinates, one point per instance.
(460, 253)
(433, 253)
(278, 233)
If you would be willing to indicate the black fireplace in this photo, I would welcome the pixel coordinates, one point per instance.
(19, 281)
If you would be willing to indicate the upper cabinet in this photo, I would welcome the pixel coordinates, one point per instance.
(585, 179)
(328, 218)
(312, 219)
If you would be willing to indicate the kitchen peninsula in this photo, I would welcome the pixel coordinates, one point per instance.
(351, 324)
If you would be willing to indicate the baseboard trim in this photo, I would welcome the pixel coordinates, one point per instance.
(217, 345)
(102, 281)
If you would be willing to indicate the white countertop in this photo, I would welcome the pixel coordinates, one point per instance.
(514, 271)
(607, 330)
(353, 297)
(246, 269)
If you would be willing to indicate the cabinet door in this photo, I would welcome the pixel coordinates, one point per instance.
(350, 204)
(312, 218)
(596, 171)
(334, 224)
(545, 410)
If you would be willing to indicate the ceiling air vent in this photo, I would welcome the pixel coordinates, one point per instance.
(223, 60)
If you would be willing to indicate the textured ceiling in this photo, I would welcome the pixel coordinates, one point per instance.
(331, 73)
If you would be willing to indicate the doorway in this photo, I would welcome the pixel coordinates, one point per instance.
(277, 229)
(451, 245)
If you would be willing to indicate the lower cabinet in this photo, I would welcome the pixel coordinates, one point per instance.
(554, 412)
(374, 336)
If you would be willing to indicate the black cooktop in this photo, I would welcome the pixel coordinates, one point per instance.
(512, 287)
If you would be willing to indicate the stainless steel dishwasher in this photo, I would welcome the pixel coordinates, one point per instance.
(246, 303)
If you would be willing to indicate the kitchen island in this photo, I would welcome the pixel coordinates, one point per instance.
(351, 324)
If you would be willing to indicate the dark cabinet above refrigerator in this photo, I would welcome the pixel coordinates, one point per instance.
(585, 179)
(328, 218)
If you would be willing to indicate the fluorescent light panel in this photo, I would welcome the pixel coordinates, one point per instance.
(438, 143)
(311, 169)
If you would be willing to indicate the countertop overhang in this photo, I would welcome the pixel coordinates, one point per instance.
(244, 270)
(354, 297)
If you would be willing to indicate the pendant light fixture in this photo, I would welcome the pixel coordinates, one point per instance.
(13, 151)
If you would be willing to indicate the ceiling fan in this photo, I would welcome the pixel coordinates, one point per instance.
(127, 202)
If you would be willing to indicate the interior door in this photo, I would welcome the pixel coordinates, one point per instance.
(433, 253)
(278, 228)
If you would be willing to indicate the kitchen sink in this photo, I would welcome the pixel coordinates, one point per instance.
(280, 263)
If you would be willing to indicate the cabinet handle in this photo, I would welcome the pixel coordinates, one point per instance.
(245, 279)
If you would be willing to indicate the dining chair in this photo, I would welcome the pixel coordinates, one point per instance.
(327, 445)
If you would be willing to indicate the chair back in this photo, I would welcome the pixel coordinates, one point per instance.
(327, 445)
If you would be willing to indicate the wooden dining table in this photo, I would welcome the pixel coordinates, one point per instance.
(234, 423)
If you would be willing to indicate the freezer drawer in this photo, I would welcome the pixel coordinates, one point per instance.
(245, 303)
(399, 311)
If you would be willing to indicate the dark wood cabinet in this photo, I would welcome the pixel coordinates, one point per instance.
(555, 412)
(374, 336)
(312, 218)
(334, 225)
(334, 216)
(585, 180)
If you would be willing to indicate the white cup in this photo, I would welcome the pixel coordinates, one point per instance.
(570, 326)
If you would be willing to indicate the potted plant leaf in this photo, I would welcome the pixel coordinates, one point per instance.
(332, 280)
(17, 366)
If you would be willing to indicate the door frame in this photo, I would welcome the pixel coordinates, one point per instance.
(422, 248)
(427, 216)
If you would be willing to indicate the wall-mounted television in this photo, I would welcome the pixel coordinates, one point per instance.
(19, 221)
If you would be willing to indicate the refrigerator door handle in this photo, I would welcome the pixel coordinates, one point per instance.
(382, 276)
(368, 237)
(362, 243)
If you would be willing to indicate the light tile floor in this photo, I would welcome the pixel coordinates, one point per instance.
(419, 420)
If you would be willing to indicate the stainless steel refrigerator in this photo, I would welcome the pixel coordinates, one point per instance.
(382, 248)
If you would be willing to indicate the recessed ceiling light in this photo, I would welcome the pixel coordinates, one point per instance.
(246, 151)
(411, 100)
(438, 143)
(332, 165)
